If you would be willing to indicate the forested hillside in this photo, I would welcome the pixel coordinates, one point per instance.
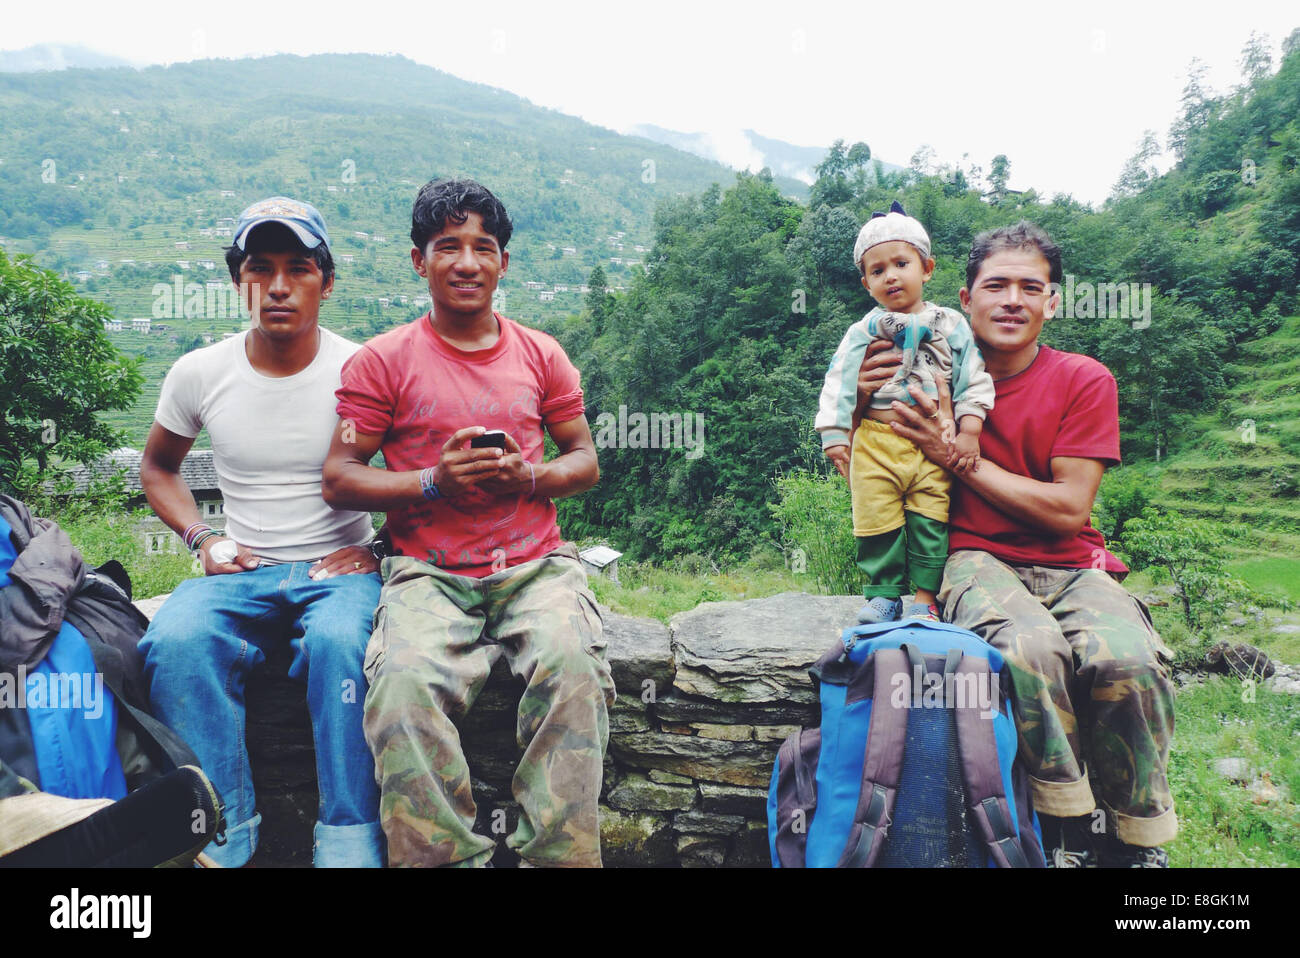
(122, 179)
(747, 294)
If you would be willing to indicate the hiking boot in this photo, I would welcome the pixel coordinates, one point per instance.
(919, 610)
(1068, 842)
(880, 609)
(1119, 855)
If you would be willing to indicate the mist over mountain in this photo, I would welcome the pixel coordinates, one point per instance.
(57, 56)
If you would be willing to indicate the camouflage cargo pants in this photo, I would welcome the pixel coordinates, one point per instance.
(1092, 682)
(436, 638)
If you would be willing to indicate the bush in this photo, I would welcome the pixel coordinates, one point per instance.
(1189, 551)
(1124, 494)
(816, 517)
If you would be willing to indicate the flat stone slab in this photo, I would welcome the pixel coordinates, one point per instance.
(758, 650)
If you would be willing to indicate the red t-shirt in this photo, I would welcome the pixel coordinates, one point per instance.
(1064, 405)
(415, 389)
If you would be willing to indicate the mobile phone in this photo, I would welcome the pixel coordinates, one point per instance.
(489, 440)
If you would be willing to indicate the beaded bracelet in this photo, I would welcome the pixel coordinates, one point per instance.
(533, 472)
(203, 537)
(427, 487)
(191, 530)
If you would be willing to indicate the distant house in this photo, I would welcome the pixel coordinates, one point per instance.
(546, 295)
(600, 560)
(183, 244)
(617, 261)
(101, 264)
(561, 288)
(223, 232)
(360, 235)
(384, 301)
(112, 325)
(84, 275)
(227, 194)
(345, 257)
(568, 251)
(183, 263)
(197, 472)
(379, 239)
(331, 189)
(141, 325)
(533, 285)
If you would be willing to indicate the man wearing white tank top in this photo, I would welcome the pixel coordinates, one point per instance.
(286, 566)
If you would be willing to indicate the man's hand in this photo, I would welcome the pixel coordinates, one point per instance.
(350, 560)
(461, 468)
(929, 424)
(878, 367)
(514, 476)
(244, 558)
(965, 455)
(839, 455)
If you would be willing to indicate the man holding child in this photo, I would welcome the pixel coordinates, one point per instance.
(1028, 573)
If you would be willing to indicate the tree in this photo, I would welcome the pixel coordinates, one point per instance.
(1138, 172)
(599, 302)
(1189, 551)
(999, 172)
(1197, 108)
(57, 370)
(1256, 59)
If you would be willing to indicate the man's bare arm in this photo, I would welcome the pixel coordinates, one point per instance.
(171, 499)
(348, 481)
(160, 475)
(575, 469)
(1060, 507)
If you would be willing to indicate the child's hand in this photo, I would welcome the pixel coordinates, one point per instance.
(965, 454)
(839, 455)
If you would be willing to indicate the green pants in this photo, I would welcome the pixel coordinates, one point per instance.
(436, 638)
(917, 549)
(1094, 703)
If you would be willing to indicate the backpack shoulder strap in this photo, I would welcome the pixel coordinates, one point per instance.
(796, 796)
(981, 771)
(883, 765)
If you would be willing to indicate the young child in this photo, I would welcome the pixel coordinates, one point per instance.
(900, 498)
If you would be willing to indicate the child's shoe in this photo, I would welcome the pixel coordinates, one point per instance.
(880, 609)
(919, 610)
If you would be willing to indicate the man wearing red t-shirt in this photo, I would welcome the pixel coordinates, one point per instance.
(479, 568)
(1028, 572)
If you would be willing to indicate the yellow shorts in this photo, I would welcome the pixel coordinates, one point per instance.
(888, 474)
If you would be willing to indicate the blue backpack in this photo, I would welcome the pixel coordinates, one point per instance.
(914, 762)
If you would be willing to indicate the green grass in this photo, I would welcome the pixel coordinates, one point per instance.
(1277, 575)
(1221, 825)
(100, 538)
(660, 593)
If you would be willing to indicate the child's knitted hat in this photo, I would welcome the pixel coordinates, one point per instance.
(886, 227)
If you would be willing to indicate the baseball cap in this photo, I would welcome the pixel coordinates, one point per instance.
(303, 218)
(886, 227)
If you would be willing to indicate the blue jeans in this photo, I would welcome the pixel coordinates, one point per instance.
(198, 652)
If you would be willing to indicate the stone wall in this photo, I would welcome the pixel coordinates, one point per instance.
(703, 705)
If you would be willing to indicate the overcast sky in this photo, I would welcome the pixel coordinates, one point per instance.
(1065, 93)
